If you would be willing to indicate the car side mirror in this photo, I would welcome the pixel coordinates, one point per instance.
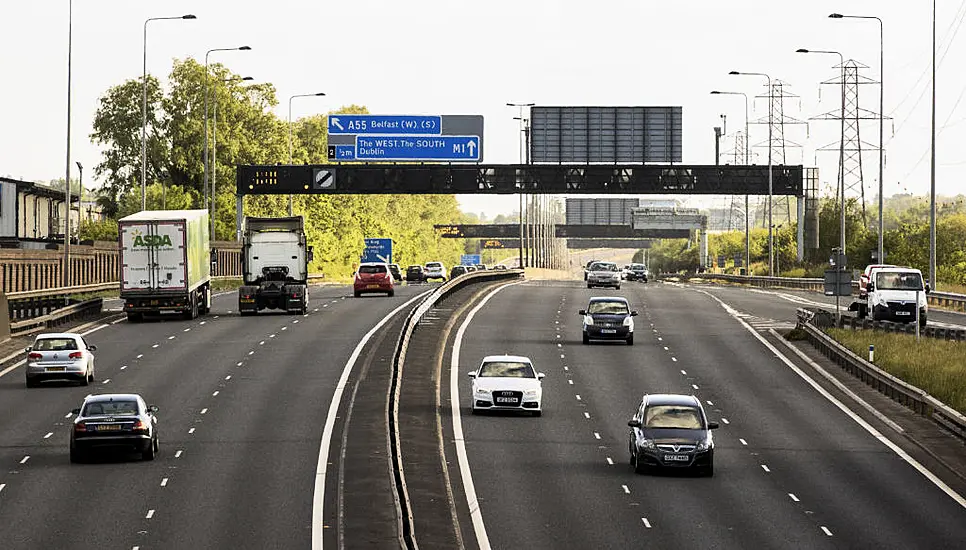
(310, 254)
(634, 314)
(712, 425)
(92, 347)
(634, 423)
(582, 312)
(75, 411)
(152, 409)
(928, 288)
(27, 349)
(540, 375)
(472, 374)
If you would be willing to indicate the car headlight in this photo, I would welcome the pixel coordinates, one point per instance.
(482, 391)
(628, 321)
(588, 320)
(647, 444)
(880, 300)
(703, 445)
(531, 393)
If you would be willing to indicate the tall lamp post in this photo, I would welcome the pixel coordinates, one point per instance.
(70, 32)
(841, 147)
(747, 163)
(144, 106)
(881, 248)
(771, 237)
(319, 94)
(932, 162)
(521, 151)
(214, 157)
(205, 162)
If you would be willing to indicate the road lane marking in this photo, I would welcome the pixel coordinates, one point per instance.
(765, 467)
(841, 406)
(204, 411)
(646, 523)
(626, 490)
(271, 336)
(177, 454)
(140, 355)
(725, 420)
(170, 337)
(228, 377)
(596, 435)
(684, 372)
(149, 515)
(203, 322)
(675, 359)
(571, 382)
(562, 356)
(186, 330)
(284, 328)
(578, 397)
(827, 532)
(610, 461)
(262, 343)
(2, 485)
(695, 386)
(154, 346)
(191, 431)
(25, 459)
(295, 322)
(743, 442)
(666, 349)
(164, 482)
(322, 465)
(566, 368)
(710, 404)
(587, 415)
(251, 352)
(106, 381)
(48, 435)
(68, 415)
(215, 393)
(659, 339)
(793, 497)
(123, 367)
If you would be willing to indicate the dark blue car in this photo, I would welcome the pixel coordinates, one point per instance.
(608, 318)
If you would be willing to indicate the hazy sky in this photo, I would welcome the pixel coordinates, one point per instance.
(456, 57)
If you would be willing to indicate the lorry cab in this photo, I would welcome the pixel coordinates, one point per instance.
(894, 293)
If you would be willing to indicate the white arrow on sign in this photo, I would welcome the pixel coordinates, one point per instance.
(335, 122)
(383, 259)
(472, 147)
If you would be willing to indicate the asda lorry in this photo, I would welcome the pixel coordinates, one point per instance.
(165, 263)
(275, 265)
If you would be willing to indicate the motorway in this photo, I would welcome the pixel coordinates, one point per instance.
(242, 405)
(793, 470)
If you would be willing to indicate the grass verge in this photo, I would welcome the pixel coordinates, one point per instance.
(935, 366)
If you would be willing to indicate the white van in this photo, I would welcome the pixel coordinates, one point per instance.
(892, 295)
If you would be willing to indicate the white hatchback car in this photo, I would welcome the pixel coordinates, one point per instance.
(60, 356)
(434, 270)
(507, 383)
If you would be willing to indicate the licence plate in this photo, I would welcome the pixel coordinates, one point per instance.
(677, 458)
(608, 331)
(372, 286)
(108, 428)
(247, 300)
(903, 313)
(55, 369)
(154, 302)
(506, 400)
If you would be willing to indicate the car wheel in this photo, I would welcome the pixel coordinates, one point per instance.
(537, 413)
(708, 471)
(86, 381)
(586, 339)
(356, 293)
(30, 383)
(90, 376)
(148, 454)
(590, 286)
(617, 287)
(76, 456)
(630, 340)
(135, 317)
(473, 411)
(391, 293)
(639, 467)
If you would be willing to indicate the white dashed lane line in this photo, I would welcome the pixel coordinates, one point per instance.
(684, 372)
(154, 346)
(793, 497)
(596, 435)
(68, 415)
(149, 515)
(106, 381)
(48, 435)
(610, 461)
(826, 531)
(240, 363)
(587, 416)
(228, 377)
(646, 523)
(164, 482)
(140, 355)
(123, 367)
(215, 393)
(743, 442)
(694, 386)
(710, 404)
(262, 343)
(2, 486)
(578, 397)
(186, 330)
(25, 459)
(204, 411)
(191, 430)
(177, 454)
(571, 382)
(725, 420)
(626, 490)
(170, 337)
(765, 467)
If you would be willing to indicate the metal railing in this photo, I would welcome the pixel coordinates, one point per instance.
(407, 535)
(895, 388)
(82, 310)
(947, 300)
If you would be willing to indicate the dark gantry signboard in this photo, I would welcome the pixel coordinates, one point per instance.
(605, 134)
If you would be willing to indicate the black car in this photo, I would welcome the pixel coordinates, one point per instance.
(608, 318)
(114, 421)
(637, 272)
(671, 432)
(500, 267)
(457, 271)
(396, 274)
(414, 274)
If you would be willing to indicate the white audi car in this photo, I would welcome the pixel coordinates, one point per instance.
(507, 383)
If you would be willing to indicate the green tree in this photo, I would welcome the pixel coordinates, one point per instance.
(102, 230)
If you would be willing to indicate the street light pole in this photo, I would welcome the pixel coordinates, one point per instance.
(771, 238)
(319, 94)
(70, 32)
(747, 163)
(521, 148)
(144, 106)
(841, 147)
(932, 162)
(881, 247)
(205, 162)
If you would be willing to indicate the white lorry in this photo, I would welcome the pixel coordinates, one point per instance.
(893, 294)
(165, 263)
(275, 265)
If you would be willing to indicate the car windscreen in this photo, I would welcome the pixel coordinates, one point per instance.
(55, 344)
(372, 269)
(613, 308)
(507, 369)
(603, 267)
(681, 417)
(112, 408)
(434, 264)
(637, 267)
(892, 280)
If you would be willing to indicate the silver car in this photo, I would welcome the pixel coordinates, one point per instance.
(60, 356)
(604, 274)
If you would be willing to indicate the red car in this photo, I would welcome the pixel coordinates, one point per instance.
(373, 277)
(864, 278)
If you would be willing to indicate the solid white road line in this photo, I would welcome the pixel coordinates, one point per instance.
(841, 406)
(321, 468)
(469, 489)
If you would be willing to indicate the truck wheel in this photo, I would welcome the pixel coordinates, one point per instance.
(192, 311)
(205, 306)
(135, 317)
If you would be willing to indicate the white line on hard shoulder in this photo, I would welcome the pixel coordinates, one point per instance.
(743, 442)
(48, 435)
(626, 489)
(164, 482)
(827, 532)
(596, 435)
(610, 461)
(149, 515)
(177, 454)
(25, 459)
(765, 467)
(841, 406)
(646, 523)
(322, 464)
(793, 497)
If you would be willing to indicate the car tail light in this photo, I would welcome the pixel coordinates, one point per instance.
(294, 295)
(140, 426)
(34, 356)
(76, 355)
(80, 427)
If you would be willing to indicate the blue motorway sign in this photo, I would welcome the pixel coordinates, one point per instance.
(414, 148)
(471, 259)
(427, 125)
(378, 250)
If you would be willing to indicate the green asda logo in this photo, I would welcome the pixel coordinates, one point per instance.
(152, 240)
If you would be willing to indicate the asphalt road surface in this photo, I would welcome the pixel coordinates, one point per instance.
(792, 469)
(242, 406)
